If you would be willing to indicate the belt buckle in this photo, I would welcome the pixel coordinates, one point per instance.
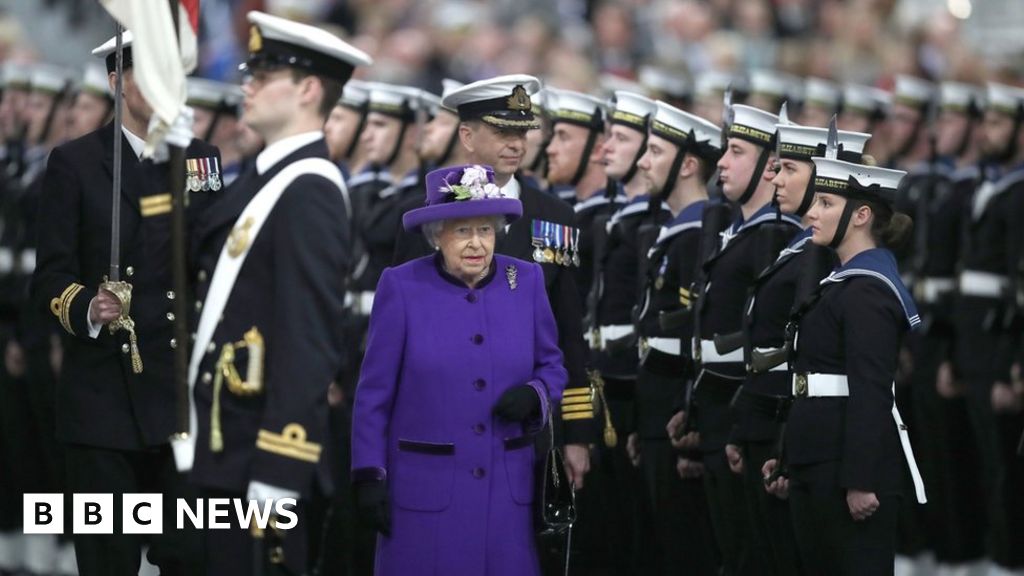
(801, 386)
(595, 338)
(644, 349)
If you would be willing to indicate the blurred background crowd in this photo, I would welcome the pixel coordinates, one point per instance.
(581, 44)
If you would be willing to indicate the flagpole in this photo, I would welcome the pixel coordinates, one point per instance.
(182, 347)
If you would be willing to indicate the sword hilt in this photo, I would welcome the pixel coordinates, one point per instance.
(123, 292)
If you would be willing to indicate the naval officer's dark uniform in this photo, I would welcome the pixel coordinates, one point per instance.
(114, 422)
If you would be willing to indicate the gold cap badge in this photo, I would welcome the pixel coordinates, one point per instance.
(519, 101)
(255, 39)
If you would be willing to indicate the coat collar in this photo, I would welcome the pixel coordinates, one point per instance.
(881, 264)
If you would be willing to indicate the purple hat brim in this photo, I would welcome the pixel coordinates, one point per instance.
(510, 208)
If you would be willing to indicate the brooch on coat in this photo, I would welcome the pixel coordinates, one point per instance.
(511, 275)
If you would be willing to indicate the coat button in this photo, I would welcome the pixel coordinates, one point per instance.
(170, 316)
(174, 342)
(125, 348)
(479, 384)
(199, 305)
(479, 429)
(207, 377)
(170, 295)
(129, 271)
(478, 339)
(211, 348)
(479, 472)
(471, 297)
(201, 276)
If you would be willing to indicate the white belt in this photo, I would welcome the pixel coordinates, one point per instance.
(598, 339)
(983, 284)
(671, 346)
(821, 385)
(709, 354)
(929, 290)
(359, 302)
(784, 367)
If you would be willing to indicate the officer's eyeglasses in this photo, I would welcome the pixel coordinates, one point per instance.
(260, 77)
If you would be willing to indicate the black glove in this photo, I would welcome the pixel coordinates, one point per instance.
(372, 505)
(518, 404)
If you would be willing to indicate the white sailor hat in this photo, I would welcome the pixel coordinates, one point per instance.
(609, 84)
(577, 108)
(753, 125)
(1006, 99)
(804, 142)
(94, 81)
(49, 79)
(856, 180)
(204, 93)
(16, 75)
(429, 103)
(394, 100)
(665, 82)
(276, 42)
(821, 93)
(108, 51)
(503, 102)
(632, 110)
(961, 97)
(913, 91)
(686, 130)
(866, 100)
(355, 95)
(712, 84)
(448, 86)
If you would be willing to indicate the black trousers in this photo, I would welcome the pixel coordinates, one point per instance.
(727, 502)
(117, 472)
(680, 517)
(770, 518)
(235, 551)
(830, 541)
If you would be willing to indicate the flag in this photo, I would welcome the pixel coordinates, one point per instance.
(160, 62)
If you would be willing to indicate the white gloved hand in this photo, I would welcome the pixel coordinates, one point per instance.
(260, 492)
(177, 134)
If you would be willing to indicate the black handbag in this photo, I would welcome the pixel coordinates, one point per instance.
(558, 494)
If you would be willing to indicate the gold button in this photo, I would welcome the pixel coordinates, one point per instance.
(125, 348)
(174, 342)
(170, 295)
(202, 276)
(170, 316)
(207, 377)
(211, 348)
(199, 305)
(129, 271)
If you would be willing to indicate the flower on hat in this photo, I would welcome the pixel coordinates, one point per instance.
(474, 184)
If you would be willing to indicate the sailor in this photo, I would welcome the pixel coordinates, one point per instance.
(94, 103)
(821, 102)
(865, 109)
(682, 151)
(269, 338)
(345, 125)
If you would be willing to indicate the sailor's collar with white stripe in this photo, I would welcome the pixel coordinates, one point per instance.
(636, 205)
(368, 175)
(881, 264)
(796, 245)
(409, 180)
(687, 219)
(766, 213)
(598, 199)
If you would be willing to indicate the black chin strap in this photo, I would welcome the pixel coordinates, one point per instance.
(844, 222)
(673, 175)
(1009, 151)
(588, 149)
(755, 178)
(449, 148)
(359, 132)
(912, 139)
(628, 176)
(539, 164)
(808, 199)
(965, 140)
(398, 144)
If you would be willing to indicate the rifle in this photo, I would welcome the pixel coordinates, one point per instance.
(726, 343)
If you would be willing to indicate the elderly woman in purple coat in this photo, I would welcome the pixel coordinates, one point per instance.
(461, 368)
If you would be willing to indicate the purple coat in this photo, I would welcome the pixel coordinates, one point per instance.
(438, 357)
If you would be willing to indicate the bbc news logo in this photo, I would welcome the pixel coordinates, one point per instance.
(144, 513)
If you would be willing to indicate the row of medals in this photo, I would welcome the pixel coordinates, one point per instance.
(210, 182)
(562, 257)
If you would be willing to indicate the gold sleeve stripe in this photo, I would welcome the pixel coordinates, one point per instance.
(578, 416)
(61, 306)
(155, 205)
(290, 443)
(577, 400)
(584, 391)
(577, 408)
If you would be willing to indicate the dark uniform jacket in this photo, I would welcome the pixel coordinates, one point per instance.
(100, 402)
(290, 290)
(591, 216)
(855, 328)
(378, 229)
(670, 270)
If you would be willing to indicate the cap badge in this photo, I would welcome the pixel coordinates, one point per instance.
(255, 39)
(519, 101)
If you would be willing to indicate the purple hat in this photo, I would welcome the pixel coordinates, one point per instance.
(466, 191)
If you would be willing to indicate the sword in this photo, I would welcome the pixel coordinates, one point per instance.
(112, 281)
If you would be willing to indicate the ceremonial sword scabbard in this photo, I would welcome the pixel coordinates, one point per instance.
(123, 292)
